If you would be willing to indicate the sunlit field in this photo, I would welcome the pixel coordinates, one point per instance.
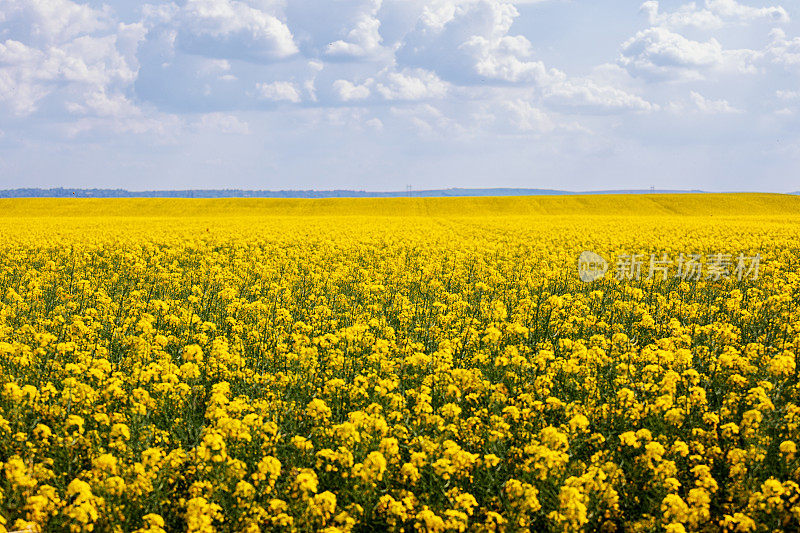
(399, 364)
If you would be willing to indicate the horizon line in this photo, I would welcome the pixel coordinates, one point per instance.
(77, 192)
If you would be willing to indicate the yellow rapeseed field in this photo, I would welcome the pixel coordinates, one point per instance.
(400, 364)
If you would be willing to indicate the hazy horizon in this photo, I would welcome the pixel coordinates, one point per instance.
(65, 192)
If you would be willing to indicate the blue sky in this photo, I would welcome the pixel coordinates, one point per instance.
(380, 94)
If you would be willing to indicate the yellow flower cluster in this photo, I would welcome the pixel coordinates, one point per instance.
(263, 368)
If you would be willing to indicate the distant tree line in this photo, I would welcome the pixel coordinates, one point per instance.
(61, 192)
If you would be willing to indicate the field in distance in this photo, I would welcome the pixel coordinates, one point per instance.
(724, 204)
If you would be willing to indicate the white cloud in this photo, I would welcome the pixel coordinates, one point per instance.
(526, 118)
(731, 9)
(20, 88)
(374, 123)
(709, 106)
(507, 59)
(155, 14)
(46, 22)
(468, 42)
(782, 50)
(222, 123)
(788, 95)
(75, 67)
(685, 16)
(234, 29)
(714, 15)
(475, 76)
(587, 96)
(660, 54)
(93, 60)
(411, 84)
(161, 128)
(348, 91)
(364, 39)
(279, 91)
(81, 64)
(309, 85)
(429, 121)
(215, 67)
(408, 84)
(100, 104)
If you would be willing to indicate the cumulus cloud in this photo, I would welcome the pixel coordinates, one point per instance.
(507, 59)
(707, 105)
(526, 118)
(211, 58)
(309, 85)
(429, 121)
(279, 91)
(162, 128)
(411, 84)
(347, 90)
(408, 84)
(229, 29)
(80, 77)
(713, 15)
(374, 124)
(588, 96)
(697, 103)
(215, 55)
(731, 9)
(20, 86)
(101, 104)
(222, 123)
(469, 42)
(154, 15)
(364, 39)
(47, 22)
(350, 31)
(782, 50)
(660, 54)
(787, 95)
(77, 60)
(219, 68)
